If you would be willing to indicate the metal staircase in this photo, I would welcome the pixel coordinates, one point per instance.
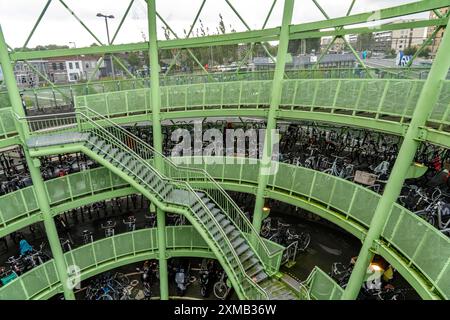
(244, 255)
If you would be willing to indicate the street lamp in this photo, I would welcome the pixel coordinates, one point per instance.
(100, 15)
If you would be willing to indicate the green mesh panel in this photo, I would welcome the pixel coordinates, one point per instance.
(233, 168)
(177, 96)
(322, 187)
(100, 179)
(288, 92)
(373, 92)
(116, 102)
(110, 86)
(152, 234)
(414, 95)
(251, 170)
(13, 291)
(326, 93)
(143, 240)
(407, 242)
(213, 96)
(118, 181)
(342, 195)
(284, 176)
(394, 216)
(442, 105)
(231, 93)
(364, 205)
(83, 257)
(30, 198)
(348, 94)
(104, 250)
(8, 124)
(305, 92)
(266, 93)
(136, 100)
(195, 95)
(97, 103)
(215, 169)
(250, 92)
(123, 244)
(397, 97)
(12, 206)
(58, 189)
(80, 183)
(4, 100)
(196, 239)
(128, 84)
(36, 280)
(444, 282)
(322, 287)
(432, 262)
(303, 180)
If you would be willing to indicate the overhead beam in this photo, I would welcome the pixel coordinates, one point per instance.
(300, 31)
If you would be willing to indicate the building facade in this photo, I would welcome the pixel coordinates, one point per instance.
(408, 38)
(437, 39)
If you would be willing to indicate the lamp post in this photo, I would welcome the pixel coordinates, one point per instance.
(100, 15)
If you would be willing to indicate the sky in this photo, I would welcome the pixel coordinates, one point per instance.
(58, 26)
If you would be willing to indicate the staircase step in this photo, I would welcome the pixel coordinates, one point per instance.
(233, 234)
(246, 256)
(224, 223)
(242, 248)
(229, 229)
(237, 242)
(253, 271)
(250, 263)
(260, 276)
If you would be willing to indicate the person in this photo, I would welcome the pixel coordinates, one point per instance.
(24, 247)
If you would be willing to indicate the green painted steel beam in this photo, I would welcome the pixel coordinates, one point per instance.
(277, 87)
(271, 34)
(157, 142)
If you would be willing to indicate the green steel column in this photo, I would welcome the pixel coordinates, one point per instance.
(33, 166)
(157, 142)
(163, 274)
(277, 87)
(425, 104)
(50, 227)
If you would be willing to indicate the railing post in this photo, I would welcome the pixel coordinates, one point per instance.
(277, 86)
(33, 166)
(427, 100)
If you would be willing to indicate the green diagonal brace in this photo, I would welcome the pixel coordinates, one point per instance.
(36, 24)
(81, 22)
(188, 35)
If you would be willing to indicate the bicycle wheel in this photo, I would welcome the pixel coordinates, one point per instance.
(220, 290)
(303, 241)
(122, 279)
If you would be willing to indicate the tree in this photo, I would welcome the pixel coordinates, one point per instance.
(410, 51)
(133, 60)
(425, 53)
(364, 41)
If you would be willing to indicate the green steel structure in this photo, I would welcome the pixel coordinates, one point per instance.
(413, 103)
